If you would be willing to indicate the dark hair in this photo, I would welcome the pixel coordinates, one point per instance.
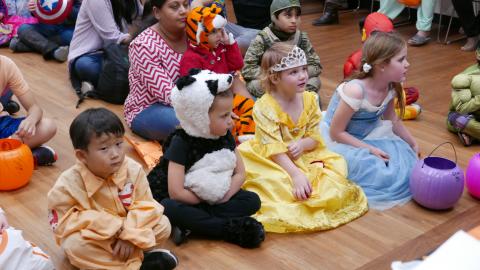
(94, 121)
(148, 19)
(288, 11)
(123, 9)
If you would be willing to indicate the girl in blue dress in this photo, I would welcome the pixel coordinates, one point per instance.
(361, 123)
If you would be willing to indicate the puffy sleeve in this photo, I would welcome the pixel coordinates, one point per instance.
(68, 213)
(354, 103)
(314, 118)
(268, 134)
(143, 214)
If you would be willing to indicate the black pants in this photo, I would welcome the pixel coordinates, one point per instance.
(209, 220)
(470, 23)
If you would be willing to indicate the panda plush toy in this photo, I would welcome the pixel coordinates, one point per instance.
(210, 160)
(209, 178)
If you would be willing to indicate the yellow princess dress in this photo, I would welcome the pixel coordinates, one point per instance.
(334, 201)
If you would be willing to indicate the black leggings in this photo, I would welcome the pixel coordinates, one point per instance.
(209, 220)
(470, 23)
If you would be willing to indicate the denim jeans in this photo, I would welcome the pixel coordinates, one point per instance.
(88, 67)
(155, 122)
(58, 33)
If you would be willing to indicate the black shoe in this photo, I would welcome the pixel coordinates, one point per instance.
(330, 16)
(159, 259)
(244, 231)
(11, 107)
(179, 236)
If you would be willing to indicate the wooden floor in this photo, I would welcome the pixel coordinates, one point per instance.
(371, 242)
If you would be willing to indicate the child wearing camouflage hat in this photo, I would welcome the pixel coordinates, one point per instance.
(284, 27)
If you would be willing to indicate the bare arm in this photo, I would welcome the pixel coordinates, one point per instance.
(340, 120)
(176, 189)
(398, 127)
(238, 178)
(302, 189)
(27, 127)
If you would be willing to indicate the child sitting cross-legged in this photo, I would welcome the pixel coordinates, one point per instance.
(33, 129)
(302, 185)
(101, 210)
(199, 177)
(285, 15)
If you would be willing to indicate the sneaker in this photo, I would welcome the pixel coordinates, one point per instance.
(61, 54)
(244, 231)
(44, 156)
(159, 259)
(86, 87)
(11, 107)
(13, 44)
(179, 236)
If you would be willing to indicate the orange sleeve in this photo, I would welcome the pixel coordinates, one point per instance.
(11, 77)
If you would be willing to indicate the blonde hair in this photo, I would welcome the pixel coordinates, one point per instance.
(271, 57)
(380, 48)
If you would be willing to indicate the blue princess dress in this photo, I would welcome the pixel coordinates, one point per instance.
(385, 184)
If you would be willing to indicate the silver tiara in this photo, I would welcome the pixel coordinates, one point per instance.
(295, 58)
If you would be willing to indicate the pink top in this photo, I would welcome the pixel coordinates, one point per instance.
(154, 69)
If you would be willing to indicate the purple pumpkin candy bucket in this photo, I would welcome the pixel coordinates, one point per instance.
(436, 182)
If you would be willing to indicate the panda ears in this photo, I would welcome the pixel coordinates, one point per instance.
(212, 86)
(185, 81)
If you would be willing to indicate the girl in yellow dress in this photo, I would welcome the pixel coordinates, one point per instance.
(301, 184)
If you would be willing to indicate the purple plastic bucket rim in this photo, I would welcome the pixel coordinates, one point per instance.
(439, 163)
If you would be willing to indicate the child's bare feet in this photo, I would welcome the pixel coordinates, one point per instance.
(470, 45)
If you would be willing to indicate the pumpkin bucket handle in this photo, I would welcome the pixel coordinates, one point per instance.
(455, 151)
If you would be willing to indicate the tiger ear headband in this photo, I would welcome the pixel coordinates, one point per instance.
(295, 58)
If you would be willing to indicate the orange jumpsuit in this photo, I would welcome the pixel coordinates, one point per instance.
(88, 214)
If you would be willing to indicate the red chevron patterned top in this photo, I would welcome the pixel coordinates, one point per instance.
(154, 69)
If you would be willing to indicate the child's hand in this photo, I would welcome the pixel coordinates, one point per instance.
(32, 5)
(226, 198)
(379, 153)
(295, 149)
(1, 15)
(27, 128)
(302, 189)
(227, 38)
(123, 249)
(416, 149)
(3, 222)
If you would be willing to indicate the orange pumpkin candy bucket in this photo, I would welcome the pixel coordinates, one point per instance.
(16, 164)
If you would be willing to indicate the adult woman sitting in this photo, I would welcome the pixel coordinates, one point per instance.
(155, 56)
(99, 23)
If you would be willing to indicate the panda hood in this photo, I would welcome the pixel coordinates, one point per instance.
(192, 98)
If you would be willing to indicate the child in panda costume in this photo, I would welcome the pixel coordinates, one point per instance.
(199, 177)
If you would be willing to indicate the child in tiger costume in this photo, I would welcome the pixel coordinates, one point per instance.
(211, 48)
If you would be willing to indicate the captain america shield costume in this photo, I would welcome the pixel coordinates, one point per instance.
(53, 11)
